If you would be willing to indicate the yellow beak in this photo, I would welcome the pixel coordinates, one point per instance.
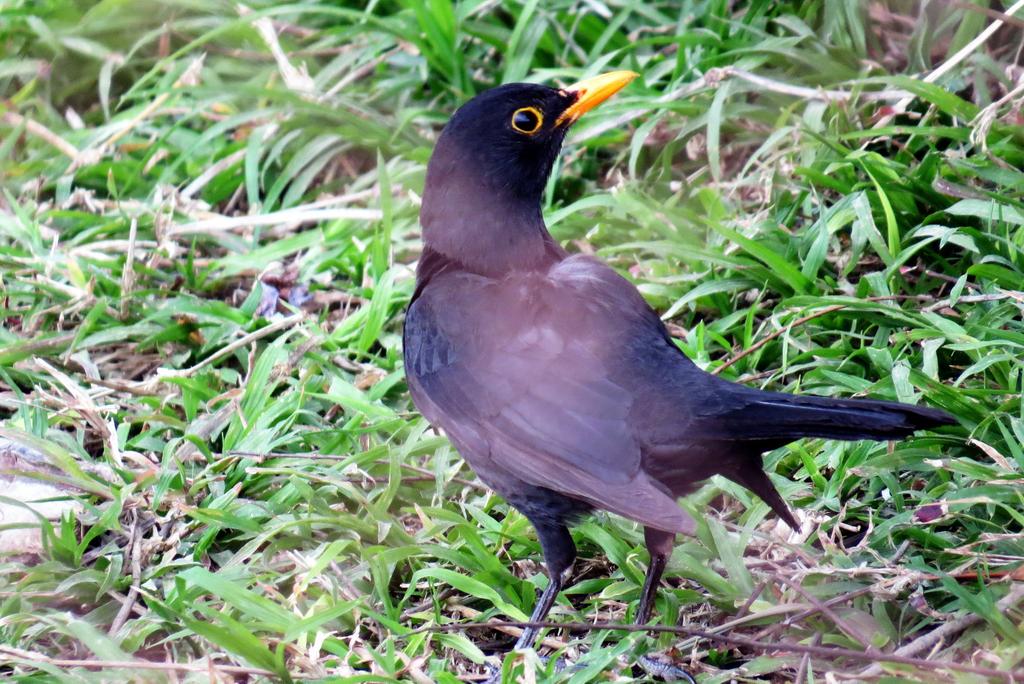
(592, 92)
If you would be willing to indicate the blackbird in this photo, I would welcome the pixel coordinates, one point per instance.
(550, 373)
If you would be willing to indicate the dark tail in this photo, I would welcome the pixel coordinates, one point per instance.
(765, 420)
(776, 416)
(751, 476)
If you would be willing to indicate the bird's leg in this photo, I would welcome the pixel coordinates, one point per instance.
(659, 545)
(559, 553)
(540, 610)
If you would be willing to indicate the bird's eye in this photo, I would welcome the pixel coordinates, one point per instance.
(527, 120)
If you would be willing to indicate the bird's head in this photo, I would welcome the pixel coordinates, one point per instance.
(494, 156)
(509, 136)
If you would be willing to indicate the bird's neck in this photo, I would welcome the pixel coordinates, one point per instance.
(485, 230)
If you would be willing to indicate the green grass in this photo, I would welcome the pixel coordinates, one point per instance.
(277, 505)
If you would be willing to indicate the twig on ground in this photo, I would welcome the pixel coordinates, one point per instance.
(31, 347)
(293, 215)
(944, 68)
(43, 133)
(826, 94)
(429, 602)
(823, 608)
(970, 299)
(282, 324)
(949, 279)
(754, 595)
(805, 661)
(798, 322)
(29, 657)
(828, 652)
(982, 123)
(992, 453)
(834, 601)
(462, 481)
(934, 637)
(993, 13)
(313, 455)
(510, 629)
(781, 331)
(295, 79)
(134, 553)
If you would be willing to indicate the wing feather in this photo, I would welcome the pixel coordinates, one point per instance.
(520, 374)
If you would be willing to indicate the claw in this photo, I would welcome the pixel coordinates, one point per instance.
(666, 671)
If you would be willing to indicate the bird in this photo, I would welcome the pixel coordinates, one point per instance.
(550, 373)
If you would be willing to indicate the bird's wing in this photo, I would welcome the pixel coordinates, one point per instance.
(526, 374)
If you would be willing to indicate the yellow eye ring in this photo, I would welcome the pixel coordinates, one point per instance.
(527, 120)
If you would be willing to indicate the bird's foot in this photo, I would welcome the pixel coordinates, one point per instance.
(665, 671)
(494, 673)
(561, 664)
